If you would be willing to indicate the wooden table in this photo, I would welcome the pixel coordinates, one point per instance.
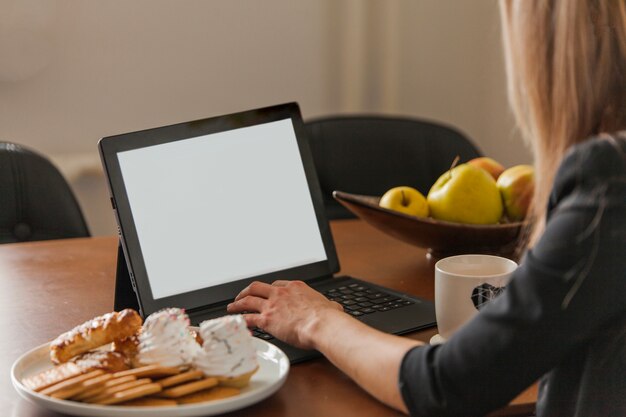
(48, 287)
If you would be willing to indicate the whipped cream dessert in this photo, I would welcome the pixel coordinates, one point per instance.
(165, 339)
(228, 349)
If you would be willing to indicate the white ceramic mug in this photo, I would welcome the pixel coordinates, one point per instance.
(464, 284)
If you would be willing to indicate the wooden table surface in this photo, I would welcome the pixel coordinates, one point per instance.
(48, 287)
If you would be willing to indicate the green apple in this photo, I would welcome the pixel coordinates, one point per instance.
(488, 164)
(465, 194)
(517, 186)
(406, 200)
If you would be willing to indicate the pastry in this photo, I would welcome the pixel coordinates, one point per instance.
(228, 352)
(165, 339)
(163, 363)
(94, 333)
(196, 336)
(129, 347)
(101, 359)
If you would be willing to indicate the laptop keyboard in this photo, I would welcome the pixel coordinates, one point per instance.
(357, 300)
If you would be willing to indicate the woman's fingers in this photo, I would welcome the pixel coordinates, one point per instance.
(257, 289)
(337, 305)
(249, 303)
(253, 320)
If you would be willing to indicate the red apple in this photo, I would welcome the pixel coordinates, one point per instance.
(517, 185)
(488, 164)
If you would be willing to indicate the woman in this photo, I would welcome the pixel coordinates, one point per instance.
(563, 316)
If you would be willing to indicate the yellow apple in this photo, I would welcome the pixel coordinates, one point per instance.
(406, 200)
(488, 164)
(517, 186)
(465, 194)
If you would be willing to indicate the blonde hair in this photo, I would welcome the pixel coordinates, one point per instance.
(566, 66)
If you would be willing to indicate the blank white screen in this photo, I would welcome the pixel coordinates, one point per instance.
(221, 207)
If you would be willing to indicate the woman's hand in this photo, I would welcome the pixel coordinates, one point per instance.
(294, 312)
(289, 310)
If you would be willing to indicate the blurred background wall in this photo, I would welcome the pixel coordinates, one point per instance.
(73, 71)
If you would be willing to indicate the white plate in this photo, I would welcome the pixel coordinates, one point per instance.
(272, 373)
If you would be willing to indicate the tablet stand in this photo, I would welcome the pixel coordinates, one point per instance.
(125, 296)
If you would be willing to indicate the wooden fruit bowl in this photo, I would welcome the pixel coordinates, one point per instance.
(441, 238)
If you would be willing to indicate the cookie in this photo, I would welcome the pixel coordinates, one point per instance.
(117, 388)
(93, 391)
(180, 378)
(86, 385)
(52, 376)
(149, 402)
(188, 388)
(211, 394)
(71, 382)
(130, 394)
(149, 371)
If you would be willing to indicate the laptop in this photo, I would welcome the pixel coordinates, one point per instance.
(206, 207)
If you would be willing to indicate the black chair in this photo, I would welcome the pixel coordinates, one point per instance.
(370, 154)
(36, 203)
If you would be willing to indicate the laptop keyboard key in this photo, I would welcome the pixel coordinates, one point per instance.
(375, 296)
(357, 300)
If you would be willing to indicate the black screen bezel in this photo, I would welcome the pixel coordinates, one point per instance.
(110, 146)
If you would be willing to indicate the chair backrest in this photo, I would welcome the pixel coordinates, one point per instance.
(36, 203)
(371, 154)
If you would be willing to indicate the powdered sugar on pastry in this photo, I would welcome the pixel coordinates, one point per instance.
(94, 333)
(165, 339)
(228, 349)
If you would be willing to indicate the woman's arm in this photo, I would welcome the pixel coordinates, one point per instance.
(294, 312)
(562, 297)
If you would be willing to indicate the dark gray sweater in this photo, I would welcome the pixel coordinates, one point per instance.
(562, 318)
